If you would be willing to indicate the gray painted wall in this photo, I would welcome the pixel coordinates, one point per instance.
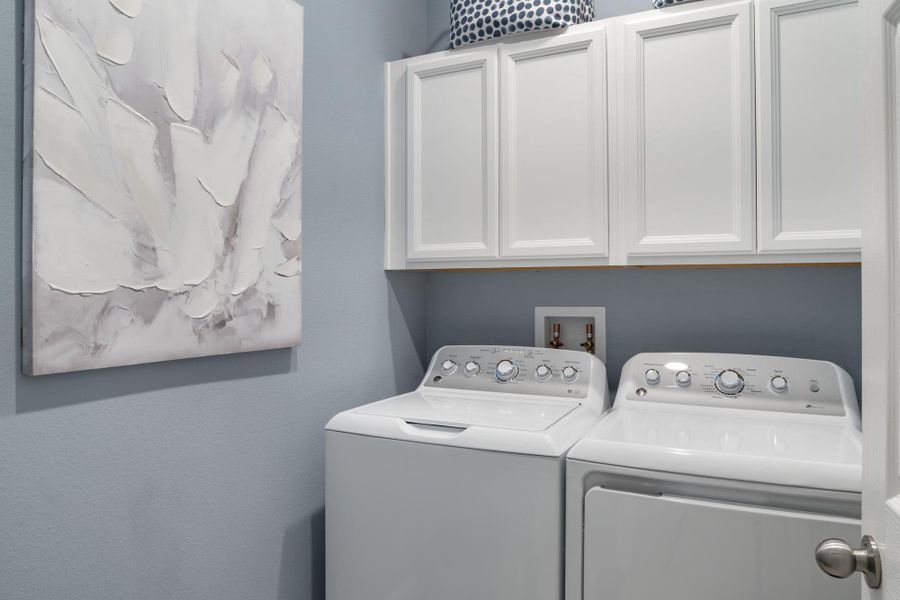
(810, 312)
(203, 479)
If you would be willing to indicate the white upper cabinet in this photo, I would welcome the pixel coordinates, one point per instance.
(715, 132)
(688, 135)
(810, 125)
(554, 184)
(452, 157)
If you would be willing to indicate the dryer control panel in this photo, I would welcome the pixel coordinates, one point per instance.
(789, 385)
(516, 370)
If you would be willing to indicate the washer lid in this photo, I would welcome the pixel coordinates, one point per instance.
(821, 453)
(498, 422)
(471, 410)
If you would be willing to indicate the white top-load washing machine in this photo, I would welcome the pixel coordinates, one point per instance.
(715, 476)
(456, 489)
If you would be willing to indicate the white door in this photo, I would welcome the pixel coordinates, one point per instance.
(881, 289)
(810, 125)
(553, 146)
(688, 143)
(452, 154)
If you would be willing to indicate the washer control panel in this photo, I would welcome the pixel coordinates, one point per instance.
(514, 369)
(770, 383)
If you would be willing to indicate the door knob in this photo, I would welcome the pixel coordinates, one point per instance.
(838, 559)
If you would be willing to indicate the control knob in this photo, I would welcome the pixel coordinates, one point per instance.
(683, 378)
(779, 384)
(569, 374)
(730, 382)
(543, 373)
(472, 368)
(507, 370)
(448, 367)
(652, 376)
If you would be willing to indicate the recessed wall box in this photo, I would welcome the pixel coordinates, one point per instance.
(573, 321)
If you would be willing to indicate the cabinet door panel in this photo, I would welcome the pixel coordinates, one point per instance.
(554, 183)
(688, 133)
(452, 153)
(810, 125)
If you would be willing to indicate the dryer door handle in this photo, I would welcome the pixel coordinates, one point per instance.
(839, 559)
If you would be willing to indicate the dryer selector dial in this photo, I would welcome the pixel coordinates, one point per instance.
(729, 382)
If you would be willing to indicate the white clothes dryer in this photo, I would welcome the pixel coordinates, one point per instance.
(456, 489)
(715, 476)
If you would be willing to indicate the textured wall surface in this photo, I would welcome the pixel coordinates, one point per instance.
(808, 312)
(203, 479)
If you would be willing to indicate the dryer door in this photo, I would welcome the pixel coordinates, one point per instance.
(639, 547)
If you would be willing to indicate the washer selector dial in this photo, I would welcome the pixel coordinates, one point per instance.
(543, 373)
(652, 376)
(730, 382)
(779, 384)
(507, 370)
(472, 368)
(448, 367)
(569, 374)
(683, 378)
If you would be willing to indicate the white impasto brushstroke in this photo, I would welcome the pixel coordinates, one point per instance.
(164, 208)
(181, 56)
(261, 73)
(83, 249)
(276, 148)
(84, 82)
(134, 140)
(289, 225)
(287, 219)
(290, 268)
(129, 8)
(229, 156)
(195, 231)
(201, 302)
(68, 148)
(117, 46)
(228, 74)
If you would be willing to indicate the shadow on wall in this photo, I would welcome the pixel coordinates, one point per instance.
(302, 573)
(57, 391)
(406, 323)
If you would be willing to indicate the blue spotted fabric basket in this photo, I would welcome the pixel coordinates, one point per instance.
(474, 21)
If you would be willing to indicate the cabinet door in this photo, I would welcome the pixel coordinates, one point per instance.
(452, 181)
(810, 125)
(553, 144)
(687, 136)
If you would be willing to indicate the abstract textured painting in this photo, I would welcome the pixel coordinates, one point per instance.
(162, 177)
